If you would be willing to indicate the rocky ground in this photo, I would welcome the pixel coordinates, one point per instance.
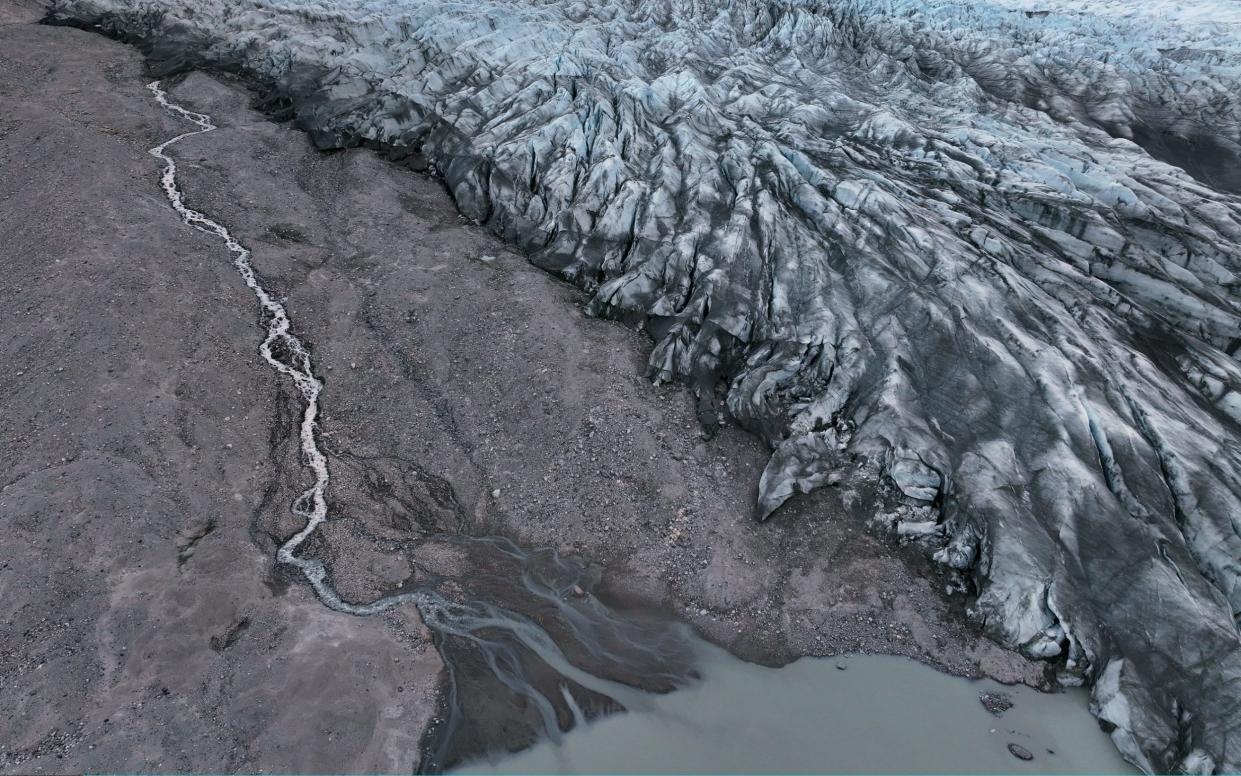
(150, 455)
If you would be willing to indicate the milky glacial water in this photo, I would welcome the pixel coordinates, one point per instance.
(880, 714)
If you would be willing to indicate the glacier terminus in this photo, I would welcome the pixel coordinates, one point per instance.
(985, 254)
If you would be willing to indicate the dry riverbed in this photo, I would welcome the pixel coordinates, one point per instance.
(150, 455)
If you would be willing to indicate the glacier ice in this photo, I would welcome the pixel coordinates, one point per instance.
(991, 246)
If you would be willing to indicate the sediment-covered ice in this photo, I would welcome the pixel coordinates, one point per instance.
(992, 246)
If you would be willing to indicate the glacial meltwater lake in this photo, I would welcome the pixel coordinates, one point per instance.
(855, 714)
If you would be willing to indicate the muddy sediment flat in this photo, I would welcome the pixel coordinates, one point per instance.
(151, 456)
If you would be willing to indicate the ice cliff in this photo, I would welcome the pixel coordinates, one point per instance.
(991, 246)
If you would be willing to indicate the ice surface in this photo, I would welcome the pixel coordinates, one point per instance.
(947, 238)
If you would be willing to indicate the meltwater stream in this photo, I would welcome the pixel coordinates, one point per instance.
(483, 644)
(286, 354)
(530, 653)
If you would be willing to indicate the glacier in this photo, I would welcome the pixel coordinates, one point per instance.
(984, 252)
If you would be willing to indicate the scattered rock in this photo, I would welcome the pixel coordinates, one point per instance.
(995, 702)
(1020, 752)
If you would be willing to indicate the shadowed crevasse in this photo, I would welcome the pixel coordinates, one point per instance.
(942, 236)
